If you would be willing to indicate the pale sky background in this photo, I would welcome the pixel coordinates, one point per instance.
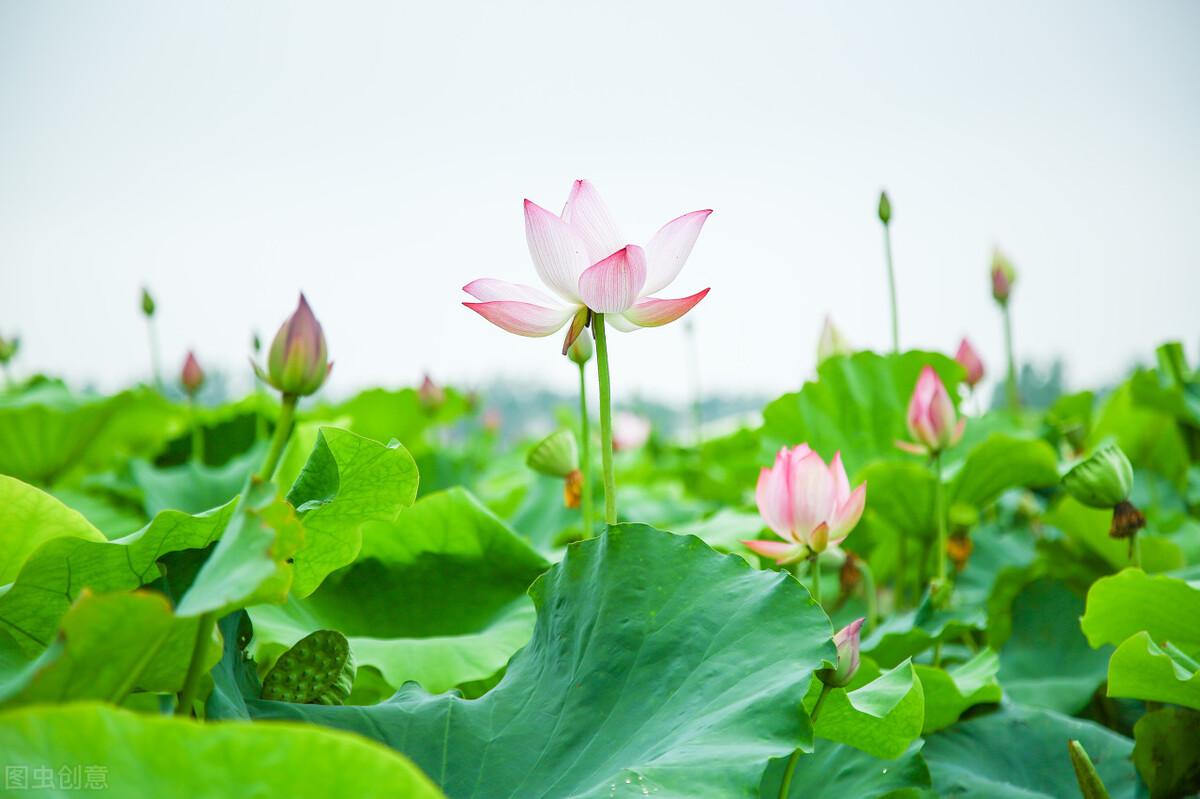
(376, 155)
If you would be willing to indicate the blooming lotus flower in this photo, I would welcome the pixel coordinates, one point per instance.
(832, 342)
(590, 267)
(192, 376)
(630, 431)
(848, 641)
(296, 362)
(806, 503)
(969, 359)
(932, 420)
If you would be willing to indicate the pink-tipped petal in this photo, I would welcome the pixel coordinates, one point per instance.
(589, 216)
(614, 284)
(655, 312)
(847, 515)
(558, 253)
(774, 499)
(959, 429)
(841, 483)
(911, 448)
(812, 493)
(668, 251)
(778, 551)
(489, 290)
(522, 318)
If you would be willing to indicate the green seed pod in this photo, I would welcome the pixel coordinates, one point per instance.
(147, 303)
(1103, 480)
(885, 208)
(318, 670)
(581, 351)
(557, 455)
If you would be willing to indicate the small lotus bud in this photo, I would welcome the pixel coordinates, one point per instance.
(573, 489)
(832, 342)
(932, 419)
(192, 376)
(432, 395)
(318, 670)
(147, 303)
(1102, 480)
(255, 343)
(969, 360)
(885, 208)
(8, 349)
(581, 351)
(556, 455)
(1090, 784)
(847, 641)
(1003, 277)
(297, 363)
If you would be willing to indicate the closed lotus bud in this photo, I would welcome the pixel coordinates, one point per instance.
(255, 343)
(192, 376)
(432, 395)
(969, 360)
(848, 642)
(556, 455)
(832, 342)
(1003, 277)
(8, 349)
(297, 363)
(1103, 480)
(581, 351)
(885, 208)
(932, 419)
(147, 303)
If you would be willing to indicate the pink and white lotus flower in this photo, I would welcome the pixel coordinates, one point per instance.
(584, 260)
(932, 419)
(806, 503)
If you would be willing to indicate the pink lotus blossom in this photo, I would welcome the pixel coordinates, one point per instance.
(590, 267)
(932, 420)
(848, 641)
(969, 359)
(806, 503)
(630, 431)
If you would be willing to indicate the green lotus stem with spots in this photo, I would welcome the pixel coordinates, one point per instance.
(786, 786)
(887, 250)
(606, 450)
(585, 454)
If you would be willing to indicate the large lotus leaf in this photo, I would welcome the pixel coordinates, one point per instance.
(656, 666)
(347, 482)
(110, 515)
(108, 646)
(1165, 751)
(28, 518)
(193, 487)
(438, 596)
(51, 579)
(1141, 669)
(98, 748)
(837, 771)
(46, 430)
(1132, 601)
(1088, 527)
(1047, 662)
(857, 405)
(1002, 562)
(900, 503)
(1021, 753)
(881, 714)
(1150, 437)
(1000, 463)
(906, 635)
(949, 692)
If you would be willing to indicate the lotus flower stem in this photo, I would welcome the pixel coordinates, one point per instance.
(283, 430)
(816, 577)
(940, 509)
(155, 360)
(585, 454)
(197, 434)
(606, 448)
(887, 248)
(191, 683)
(869, 594)
(1010, 383)
(785, 787)
(901, 586)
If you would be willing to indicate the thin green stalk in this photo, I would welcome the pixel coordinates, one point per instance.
(155, 360)
(1135, 551)
(887, 248)
(940, 509)
(1014, 396)
(869, 594)
(283, 430)
(191, 683)
(585, 454)
(901, 587)
(606, 451)
(786, 786)
(816, 577)
(197, 434)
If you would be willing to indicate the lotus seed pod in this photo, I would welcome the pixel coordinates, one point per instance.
(318, 670)
(1102, 480)
(557, 455)
(147, 303)
(581, 351)
(885, 208)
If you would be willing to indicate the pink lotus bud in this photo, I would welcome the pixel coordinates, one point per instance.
(492, 420)
(932, 420)
(630, 431)
(969, 359)
(1003, 277)
(806, 503)
(432, 395)
(297, 363)
(192, 376)
(848, 642)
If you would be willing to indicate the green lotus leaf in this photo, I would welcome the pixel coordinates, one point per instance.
(951, 691)
(1165, 751)
(1131, 601)
(837, 771)
(28, 518)
(1141, 669)
(879, 713)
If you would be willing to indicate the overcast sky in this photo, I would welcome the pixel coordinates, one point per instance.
(375, 155)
